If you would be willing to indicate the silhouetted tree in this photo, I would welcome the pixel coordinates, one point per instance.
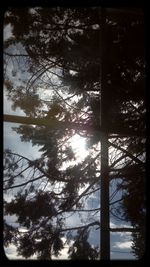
(59, 48)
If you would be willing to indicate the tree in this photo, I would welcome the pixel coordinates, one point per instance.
(63, 56)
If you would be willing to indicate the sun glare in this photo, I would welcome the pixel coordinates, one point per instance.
(78, 145)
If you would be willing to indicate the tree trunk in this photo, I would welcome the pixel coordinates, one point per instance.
(104, 220)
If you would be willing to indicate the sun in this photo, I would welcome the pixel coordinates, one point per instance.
(78, 145)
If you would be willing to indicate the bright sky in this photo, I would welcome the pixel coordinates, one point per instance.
(78, 145)
(120, 242)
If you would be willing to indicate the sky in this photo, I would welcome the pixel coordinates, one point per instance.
(120, 242)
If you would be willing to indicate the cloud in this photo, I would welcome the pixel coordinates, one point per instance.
(63, 255)
(113, 225)
(11, 252)
(120, 225)
(7, 32)
(123, 245)
(8, 105)
(64, 252)
(12, 141)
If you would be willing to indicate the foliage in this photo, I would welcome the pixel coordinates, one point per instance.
(58, 52)
(81, 249)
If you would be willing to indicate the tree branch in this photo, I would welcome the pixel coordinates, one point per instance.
(125, 229)
(80, 227)
(19, 185)
(89, 210)
(128, 154)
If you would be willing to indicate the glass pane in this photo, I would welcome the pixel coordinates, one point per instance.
(74, 133)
